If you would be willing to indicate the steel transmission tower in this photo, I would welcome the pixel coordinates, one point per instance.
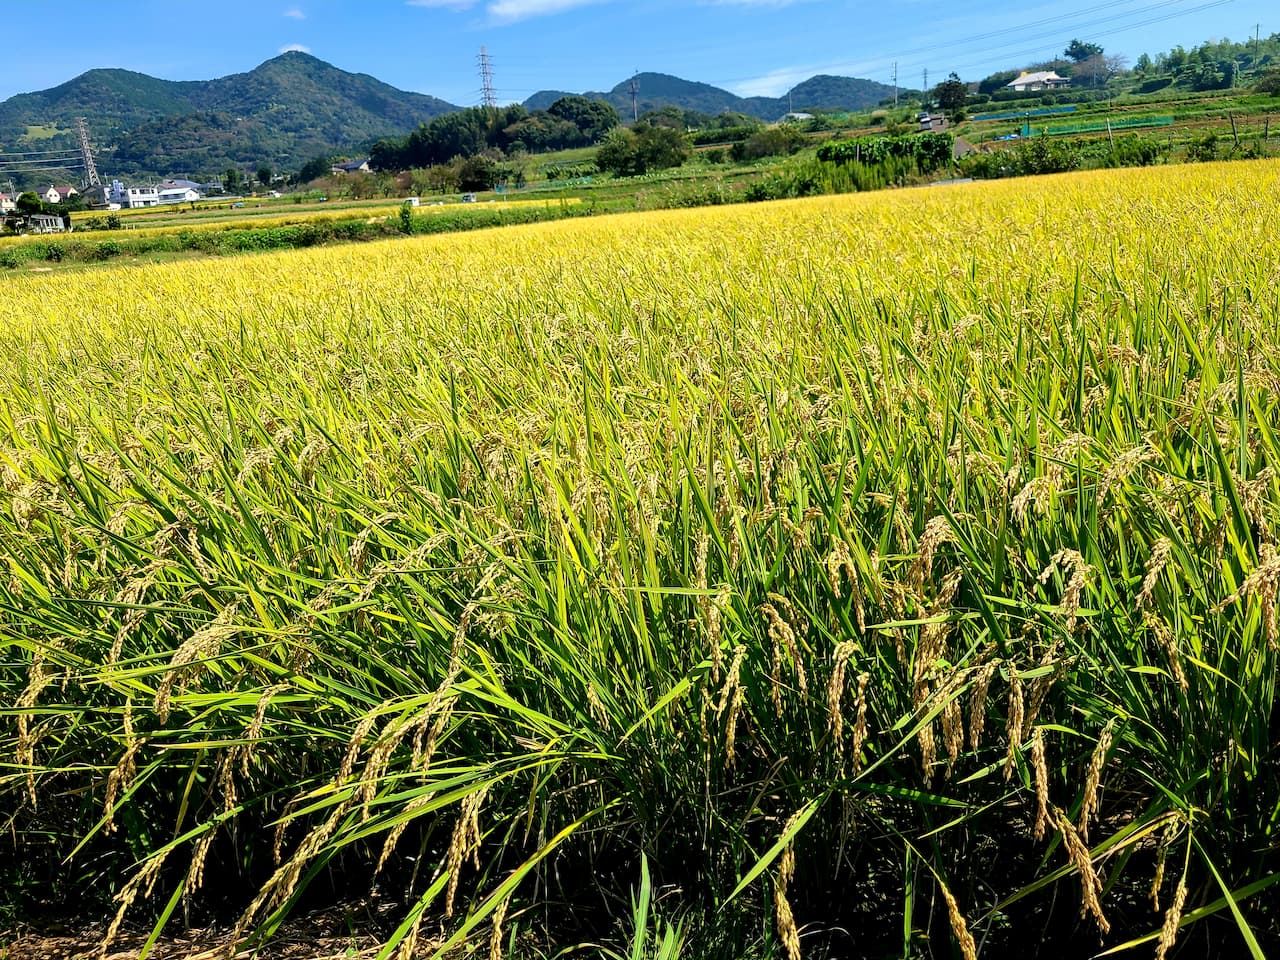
(488, 97)
(86, 152)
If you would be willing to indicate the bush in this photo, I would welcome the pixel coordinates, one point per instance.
(1203, 149)
(777, 141)
(1154, 84)
(630, 153)
(106, 250)
(1269, 83)
(927, 151)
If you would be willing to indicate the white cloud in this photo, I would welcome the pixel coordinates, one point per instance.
(295, 48)
(507, 11)
(772, 84)
(295, 13)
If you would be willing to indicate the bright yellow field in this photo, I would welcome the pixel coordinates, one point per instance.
(863, 571)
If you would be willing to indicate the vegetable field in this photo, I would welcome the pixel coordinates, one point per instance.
(887, 575)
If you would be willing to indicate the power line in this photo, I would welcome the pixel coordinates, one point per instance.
(68, 163)
(988, 52)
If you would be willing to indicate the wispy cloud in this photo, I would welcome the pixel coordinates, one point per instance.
(772, 84)
(295, 48)
(508, 11)
(295, 13)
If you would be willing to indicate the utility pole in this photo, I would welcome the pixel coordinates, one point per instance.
(895, 84)
(635, 97)
(1256, 28)
(926, 87)
(86, 153)
(487, 95)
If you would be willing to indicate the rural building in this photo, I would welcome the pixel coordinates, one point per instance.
(45, 223)
(796, 116)
(129, 197)
(8, 204)
(58, 194)
(176, 194)
(351, 166)
(1040, 80)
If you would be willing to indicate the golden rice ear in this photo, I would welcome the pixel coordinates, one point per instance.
(959, 927)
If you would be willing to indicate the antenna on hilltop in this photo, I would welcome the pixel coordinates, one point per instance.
(488, 97)
(86, 153)
(635, 96)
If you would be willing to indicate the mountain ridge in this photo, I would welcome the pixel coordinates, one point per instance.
(657, 90)
(294, 107)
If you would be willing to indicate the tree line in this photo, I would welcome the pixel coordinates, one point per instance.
(571, 121)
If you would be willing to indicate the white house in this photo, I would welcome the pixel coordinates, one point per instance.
(8, 204)
(129, 197)
(58, 194)
(176, 194)
(353, 166)
(1040, 80)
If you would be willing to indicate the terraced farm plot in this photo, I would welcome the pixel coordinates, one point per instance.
(882, 575)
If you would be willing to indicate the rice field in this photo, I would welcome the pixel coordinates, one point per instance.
(886, 575)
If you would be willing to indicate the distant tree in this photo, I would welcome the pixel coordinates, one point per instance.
(231, 180)
(29, 203)
(593, 118)
(264, 175)
(778, 141)
(670, 116)
(661, 147)
(1078, 51)
(997, 81)
(442, 178)
(1269, 83)
(618, 153)
(478, 172)
(314, 169)
(1096, 71)
(386, 155)
(1143, 64)
(629, 153)
(951, 93)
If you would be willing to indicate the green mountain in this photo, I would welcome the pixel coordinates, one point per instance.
(656, 90)
(283, 113)
(295, 107)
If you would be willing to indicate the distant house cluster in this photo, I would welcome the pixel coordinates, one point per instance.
(120, 197)
(1040, 80)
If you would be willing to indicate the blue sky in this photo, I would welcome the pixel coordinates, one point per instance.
(748, 46)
